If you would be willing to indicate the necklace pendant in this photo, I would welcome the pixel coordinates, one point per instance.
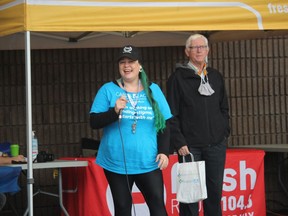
(133, 126)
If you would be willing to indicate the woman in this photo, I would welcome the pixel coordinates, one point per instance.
(135, 145)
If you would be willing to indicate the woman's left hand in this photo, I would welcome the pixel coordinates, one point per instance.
(162, 160)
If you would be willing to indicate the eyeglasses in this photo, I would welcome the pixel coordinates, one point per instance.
(195, 48)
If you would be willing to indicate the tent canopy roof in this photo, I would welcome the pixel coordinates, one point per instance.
(123, 16)
(145, 23)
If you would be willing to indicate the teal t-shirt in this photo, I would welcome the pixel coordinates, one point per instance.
(120, 148)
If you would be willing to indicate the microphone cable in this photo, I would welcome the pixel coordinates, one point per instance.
(125, 166)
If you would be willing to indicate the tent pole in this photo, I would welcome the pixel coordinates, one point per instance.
(30, 180)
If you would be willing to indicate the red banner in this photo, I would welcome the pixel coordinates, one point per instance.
(87, 193)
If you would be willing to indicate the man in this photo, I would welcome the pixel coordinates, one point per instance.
(199, 104)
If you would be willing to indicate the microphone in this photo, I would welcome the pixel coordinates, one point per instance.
(120, 114)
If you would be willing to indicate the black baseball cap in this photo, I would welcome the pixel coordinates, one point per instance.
(130, 52)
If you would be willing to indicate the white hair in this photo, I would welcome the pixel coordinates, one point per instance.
(194, 37)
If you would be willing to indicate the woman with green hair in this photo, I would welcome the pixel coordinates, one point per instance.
(134, 148)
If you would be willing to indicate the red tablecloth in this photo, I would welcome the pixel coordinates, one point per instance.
(243, 188)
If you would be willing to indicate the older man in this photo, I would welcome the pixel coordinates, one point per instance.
(198, 101)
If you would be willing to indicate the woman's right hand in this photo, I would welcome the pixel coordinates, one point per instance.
(120, 104)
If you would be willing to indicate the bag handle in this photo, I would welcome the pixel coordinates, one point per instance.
(192, 158)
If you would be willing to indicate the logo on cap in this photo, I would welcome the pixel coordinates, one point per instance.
(127, 49)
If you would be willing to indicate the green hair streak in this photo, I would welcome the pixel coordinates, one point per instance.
(160, 122)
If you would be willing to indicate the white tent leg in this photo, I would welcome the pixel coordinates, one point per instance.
(30, 180)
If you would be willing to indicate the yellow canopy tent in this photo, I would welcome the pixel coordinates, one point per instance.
(130, 17)
(105, 21)
(92, 15)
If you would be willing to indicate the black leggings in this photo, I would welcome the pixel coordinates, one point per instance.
(150, 184)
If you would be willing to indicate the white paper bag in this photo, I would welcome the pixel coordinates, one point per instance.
(191, 181)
